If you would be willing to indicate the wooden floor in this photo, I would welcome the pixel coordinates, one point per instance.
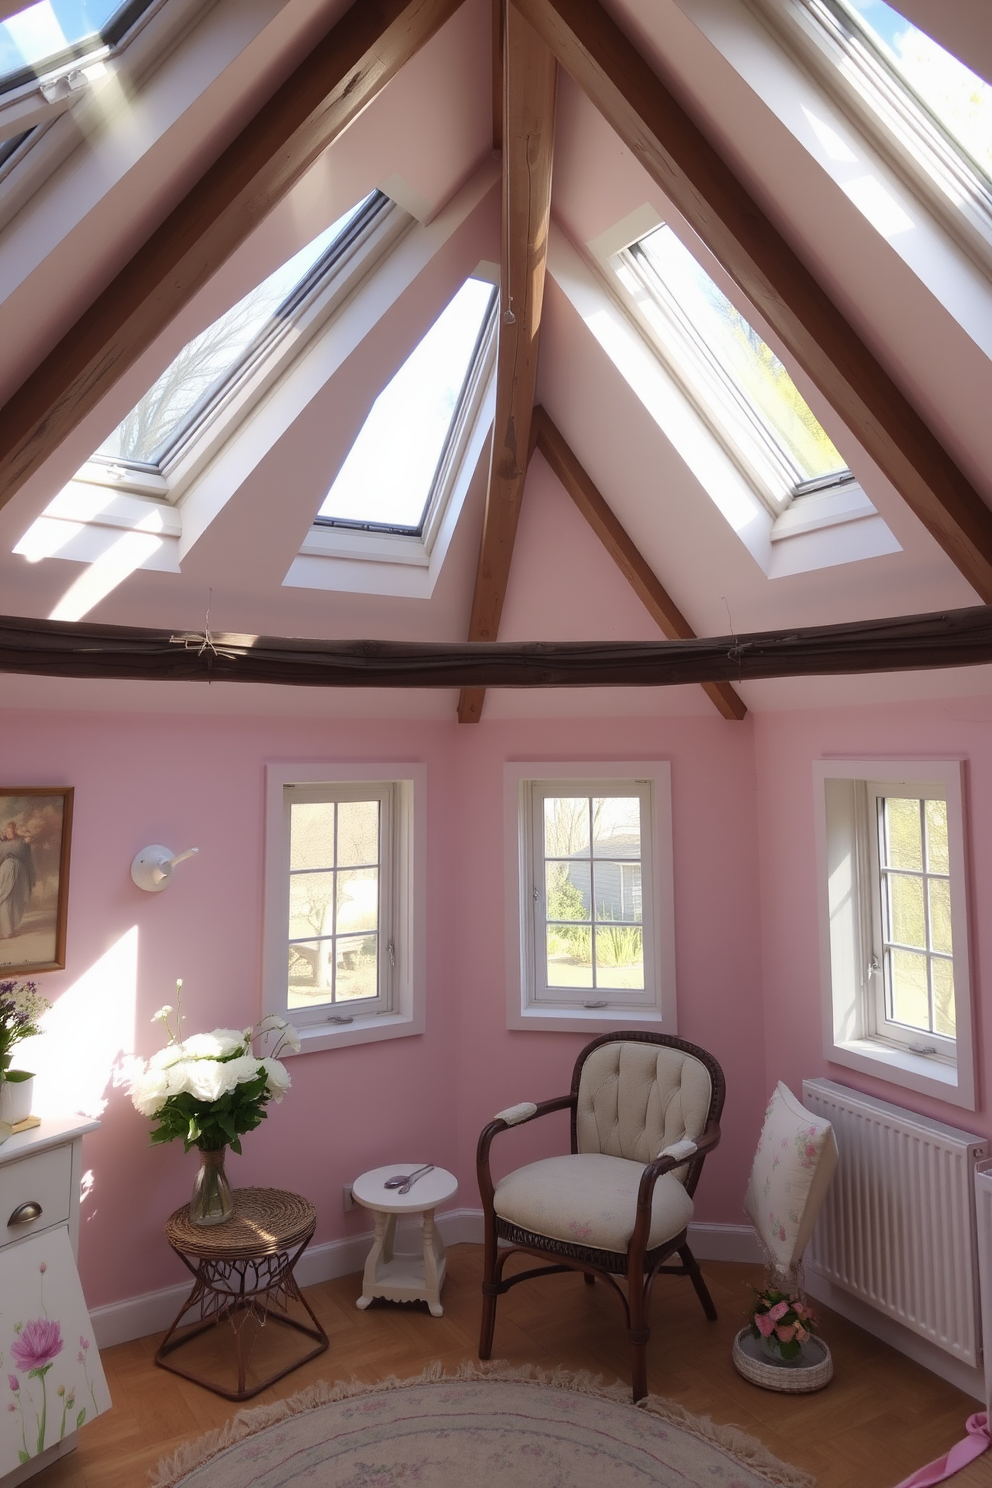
(881, 1417)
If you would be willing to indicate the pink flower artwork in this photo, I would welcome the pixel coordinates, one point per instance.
(14, 1382)
(39, 1342)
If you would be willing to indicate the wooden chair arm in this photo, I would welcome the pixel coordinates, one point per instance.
(544, 1108)
(655, 1170)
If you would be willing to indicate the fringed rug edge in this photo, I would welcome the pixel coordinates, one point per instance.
(739, 1444)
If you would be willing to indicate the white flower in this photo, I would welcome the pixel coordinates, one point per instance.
(277, 1080)
(208, 1079)
(216, 1045)
(291, 1038)
(178, 1076)
(166, 1057)
(243, 1070)
(149, 1092)
(162, 1016)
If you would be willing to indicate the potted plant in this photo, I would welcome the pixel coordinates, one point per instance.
(782, 1322)
(21, 1008)
(208, 1090)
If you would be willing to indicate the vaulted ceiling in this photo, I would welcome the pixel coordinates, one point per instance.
(887, 332)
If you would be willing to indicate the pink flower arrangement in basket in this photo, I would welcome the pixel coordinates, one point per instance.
(782, 1321)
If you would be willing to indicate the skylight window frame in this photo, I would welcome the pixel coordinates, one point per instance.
(101, 47)
(716, 395)
(465, 412)
(890, 115)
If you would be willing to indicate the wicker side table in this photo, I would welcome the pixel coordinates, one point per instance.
(243, 1275)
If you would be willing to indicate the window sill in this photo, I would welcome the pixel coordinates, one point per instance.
(545, 1018)
(364, 1030)
(917, 1072)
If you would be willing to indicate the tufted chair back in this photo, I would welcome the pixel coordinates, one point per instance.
(636, 1098)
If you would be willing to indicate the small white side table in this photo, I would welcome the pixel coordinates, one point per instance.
(404, 1278)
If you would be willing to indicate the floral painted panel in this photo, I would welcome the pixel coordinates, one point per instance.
(51, 1378)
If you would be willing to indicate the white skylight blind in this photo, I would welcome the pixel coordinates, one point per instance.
(49, 36)
(389, 476)
(204, 368)
(739, 381)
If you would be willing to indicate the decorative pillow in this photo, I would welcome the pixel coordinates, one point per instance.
(793, 1166)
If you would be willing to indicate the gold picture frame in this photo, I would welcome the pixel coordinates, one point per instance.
(35, 836)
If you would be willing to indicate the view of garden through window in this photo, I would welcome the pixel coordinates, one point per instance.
(389, 473)
(592, 876)
(958, 97)
(916, 913)
(747, 364)
(204, 363)
(334, 867)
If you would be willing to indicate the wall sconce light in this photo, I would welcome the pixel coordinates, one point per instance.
(152, 866)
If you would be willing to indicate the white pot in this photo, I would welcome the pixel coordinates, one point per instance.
(15, 1100)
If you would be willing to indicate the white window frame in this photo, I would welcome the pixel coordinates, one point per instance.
(854, 1034)
(530, 1004)
(400, 1008)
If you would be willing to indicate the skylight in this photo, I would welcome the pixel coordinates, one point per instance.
(205, 367)
(739, 380)
(390, 473)
(956, 96)
(42, 38)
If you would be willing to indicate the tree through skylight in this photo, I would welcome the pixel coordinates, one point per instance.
(205, 362)
(388, 476)
(960, 99)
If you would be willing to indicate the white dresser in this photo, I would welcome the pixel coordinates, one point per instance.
(51, 1380)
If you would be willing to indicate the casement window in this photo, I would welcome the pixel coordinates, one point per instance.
(592, 932)
(926, 111)
(895, 923)
(51, 40)
(343, 942)
(736, 381)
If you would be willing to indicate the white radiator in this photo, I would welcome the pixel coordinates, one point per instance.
(898, 1226)
(983, 1197)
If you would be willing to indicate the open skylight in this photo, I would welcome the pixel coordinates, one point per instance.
(199, 376)
(391, 472)
(49, 36)
(739, 381)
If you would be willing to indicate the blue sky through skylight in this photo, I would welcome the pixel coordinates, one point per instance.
(46, 29)
(204, 362)
(960, 99)
(388, 474)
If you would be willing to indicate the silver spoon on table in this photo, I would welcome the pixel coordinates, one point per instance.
(403, 1181)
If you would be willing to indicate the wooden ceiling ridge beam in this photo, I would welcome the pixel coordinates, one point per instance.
(625, 553)
(693, 175)
(528, 149)
(340, 75)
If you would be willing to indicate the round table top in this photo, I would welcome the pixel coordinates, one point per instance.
(427, 1192)
(265, 1221)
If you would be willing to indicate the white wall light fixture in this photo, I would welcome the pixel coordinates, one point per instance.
(152, 867)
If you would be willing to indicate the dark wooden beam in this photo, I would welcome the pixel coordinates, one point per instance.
(528, 148)
(340, 76)
(676, 154)
(623, 550)
(64, 648)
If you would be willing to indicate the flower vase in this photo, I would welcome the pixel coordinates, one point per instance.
(772, 1352)
(212, 1202)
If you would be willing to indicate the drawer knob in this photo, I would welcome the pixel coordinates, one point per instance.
(25, 1213)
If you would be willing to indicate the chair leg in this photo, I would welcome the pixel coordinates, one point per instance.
(696, 1277)
(638, 1332)
(490, 1291)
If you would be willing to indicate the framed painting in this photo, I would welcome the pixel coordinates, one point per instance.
(35, 830)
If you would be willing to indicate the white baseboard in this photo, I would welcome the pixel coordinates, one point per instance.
(136, 1317)
(965, 1376)
(723, 1242)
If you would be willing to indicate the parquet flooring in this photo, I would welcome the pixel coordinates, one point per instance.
(881, 1417)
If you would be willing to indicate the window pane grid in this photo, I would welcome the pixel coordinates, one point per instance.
(912, 838)
(593, 941)
(337, 960)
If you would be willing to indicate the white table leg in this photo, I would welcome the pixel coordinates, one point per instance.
(434, 1264)
(380, 1254)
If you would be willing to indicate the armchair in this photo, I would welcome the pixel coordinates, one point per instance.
(645, 1111)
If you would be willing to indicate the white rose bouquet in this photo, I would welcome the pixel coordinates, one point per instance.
(210, 1088)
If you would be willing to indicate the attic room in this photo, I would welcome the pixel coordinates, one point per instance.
(508, 484)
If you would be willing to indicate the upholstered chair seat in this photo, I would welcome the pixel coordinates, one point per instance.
(590, 1199)
(645, 1111)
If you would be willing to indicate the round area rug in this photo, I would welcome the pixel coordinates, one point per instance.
(512, 1428)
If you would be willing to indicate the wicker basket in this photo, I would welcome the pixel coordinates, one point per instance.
(788, 1379)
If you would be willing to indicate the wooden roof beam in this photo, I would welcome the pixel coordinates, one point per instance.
(625, 554)
(342, 74)
(528, 149)
(675, 153)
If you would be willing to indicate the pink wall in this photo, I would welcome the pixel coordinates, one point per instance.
(785, 746)
(191, 781)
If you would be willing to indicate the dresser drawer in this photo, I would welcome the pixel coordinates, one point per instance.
(43, 1179)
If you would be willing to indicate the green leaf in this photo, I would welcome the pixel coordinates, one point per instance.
(81, 1417)
(22, 1456)
(16, 1076)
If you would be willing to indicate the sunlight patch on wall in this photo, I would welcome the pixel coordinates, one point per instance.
(112, 567)
(878, 205)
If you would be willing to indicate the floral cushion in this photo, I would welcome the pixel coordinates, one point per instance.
(793, 1166)
(590, 1199)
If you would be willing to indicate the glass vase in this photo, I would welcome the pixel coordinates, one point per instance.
(212, 1202)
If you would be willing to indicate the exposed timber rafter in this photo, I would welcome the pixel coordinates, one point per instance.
(65, 648)
(528, 149)
(675, 153)
(625, 553)
(343, 73)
